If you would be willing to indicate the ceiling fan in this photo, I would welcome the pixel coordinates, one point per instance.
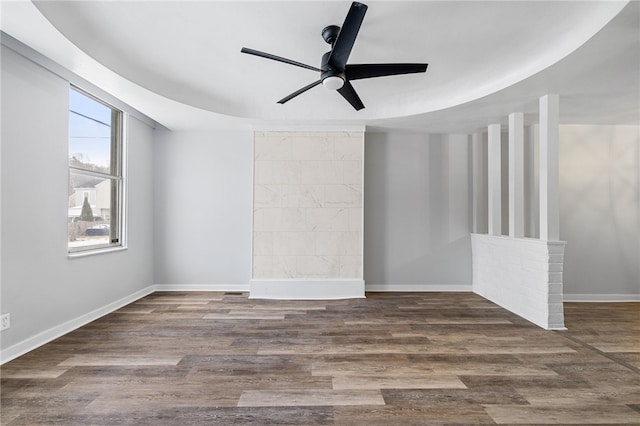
(335, 74)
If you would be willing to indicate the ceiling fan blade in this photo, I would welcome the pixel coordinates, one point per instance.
(299, 92)
(278, 58)
(349, 93)
(358, 72)
(347, 36)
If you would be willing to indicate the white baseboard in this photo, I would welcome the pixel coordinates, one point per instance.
(601, 297)
(306, 289)
(419, 287)
(202, 287)
(53, 333)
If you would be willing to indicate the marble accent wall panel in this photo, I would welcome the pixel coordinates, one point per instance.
(308, 205)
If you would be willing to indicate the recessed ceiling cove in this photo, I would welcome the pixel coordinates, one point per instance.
(190, 51)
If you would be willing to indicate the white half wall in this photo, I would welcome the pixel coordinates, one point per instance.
(522, 275)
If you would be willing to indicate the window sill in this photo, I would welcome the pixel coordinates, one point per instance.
(86, 253)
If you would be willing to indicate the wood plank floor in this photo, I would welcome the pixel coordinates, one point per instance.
(199, 358)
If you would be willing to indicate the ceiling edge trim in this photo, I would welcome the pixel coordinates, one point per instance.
(308, 128)
(36, 57)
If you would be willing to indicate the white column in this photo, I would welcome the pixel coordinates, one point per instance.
(458, 171)
(494, 184)
(531, 182)
(549, 175)
(516, 175)
(479, 193)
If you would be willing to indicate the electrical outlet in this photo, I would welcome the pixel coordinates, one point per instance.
(5, 321)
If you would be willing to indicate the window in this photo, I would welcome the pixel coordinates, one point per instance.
(95, 174)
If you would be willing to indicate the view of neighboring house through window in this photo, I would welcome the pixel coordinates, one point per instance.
(95, 173)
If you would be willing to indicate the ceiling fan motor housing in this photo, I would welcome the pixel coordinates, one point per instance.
(331, 78)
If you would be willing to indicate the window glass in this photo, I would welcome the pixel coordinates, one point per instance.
(89, 133)
(94, 205)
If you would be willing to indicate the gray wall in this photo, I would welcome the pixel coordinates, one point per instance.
(417, 216)
(600, 210)
(41, 286)
(203, 203)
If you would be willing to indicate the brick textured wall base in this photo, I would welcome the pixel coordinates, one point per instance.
(523, 275)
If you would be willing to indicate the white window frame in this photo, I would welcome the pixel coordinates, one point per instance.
(117, 174)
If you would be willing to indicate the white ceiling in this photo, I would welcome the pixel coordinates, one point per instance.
(180, 62)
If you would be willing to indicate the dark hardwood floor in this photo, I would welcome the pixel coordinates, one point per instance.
(391, 359)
